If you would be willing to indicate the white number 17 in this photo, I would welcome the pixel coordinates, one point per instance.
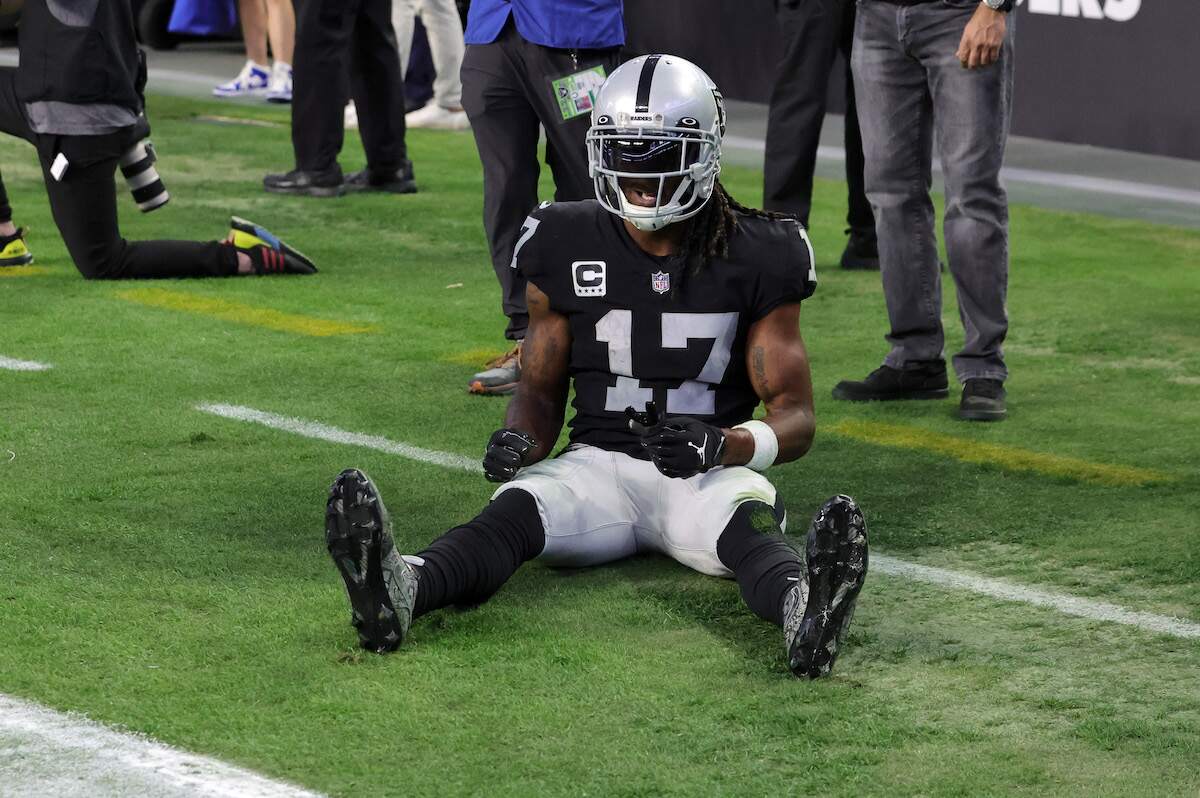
(692, 397)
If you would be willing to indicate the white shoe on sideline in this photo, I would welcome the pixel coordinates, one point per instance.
(252, 81)
(435, 117)
(280, 88)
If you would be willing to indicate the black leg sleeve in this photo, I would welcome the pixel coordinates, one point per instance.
(763, 564)
(470, 563)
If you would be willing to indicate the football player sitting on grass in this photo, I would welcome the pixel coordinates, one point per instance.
(676, 311)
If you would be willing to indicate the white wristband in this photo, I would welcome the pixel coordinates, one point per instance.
(766, 445)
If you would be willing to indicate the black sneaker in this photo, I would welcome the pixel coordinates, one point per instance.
(818, 610)
(862, 251)
(982, 400)
(382, 586)
(398, 182)
(924, 380)
(328, 183)
(267, 252)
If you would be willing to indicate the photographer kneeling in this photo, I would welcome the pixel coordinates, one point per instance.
(77, 97)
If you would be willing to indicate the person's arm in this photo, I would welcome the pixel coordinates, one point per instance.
(540, 403)
(778, 366)
(681, 446)
(535, 414)
(982, 38)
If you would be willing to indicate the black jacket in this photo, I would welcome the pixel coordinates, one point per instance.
(80, 51)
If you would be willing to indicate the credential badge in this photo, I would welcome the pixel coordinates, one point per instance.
(660, 282)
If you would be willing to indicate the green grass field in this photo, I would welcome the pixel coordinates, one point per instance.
(164, 570)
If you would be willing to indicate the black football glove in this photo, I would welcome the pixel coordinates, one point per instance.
(506, 453)
(679, 446)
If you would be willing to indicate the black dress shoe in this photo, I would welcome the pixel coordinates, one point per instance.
(327, 183)
(982, 400)
(922, 380)
(398, 182)
(862, 251)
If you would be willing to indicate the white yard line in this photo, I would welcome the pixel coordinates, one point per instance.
(323, 432)
(44, 752)
(893, 566)
(12, 364)
(1008, 591)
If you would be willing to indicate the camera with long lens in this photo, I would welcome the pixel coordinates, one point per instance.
(137, 165)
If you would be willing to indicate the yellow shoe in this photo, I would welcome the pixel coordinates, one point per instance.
(13, 251)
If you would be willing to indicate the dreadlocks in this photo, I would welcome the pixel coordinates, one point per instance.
(710, 231)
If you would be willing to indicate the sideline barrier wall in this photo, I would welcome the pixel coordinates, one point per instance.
(1111, 73)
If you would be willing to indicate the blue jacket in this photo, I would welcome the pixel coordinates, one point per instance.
(563, 24)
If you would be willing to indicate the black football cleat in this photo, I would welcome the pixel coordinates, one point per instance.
(818, 610)
(381, 585)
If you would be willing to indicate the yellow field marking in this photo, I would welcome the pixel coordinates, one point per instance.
(472, 357)
(228, 310)
(23, 271)
(1009, 457)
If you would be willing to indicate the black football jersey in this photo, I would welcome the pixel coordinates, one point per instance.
(644, 330)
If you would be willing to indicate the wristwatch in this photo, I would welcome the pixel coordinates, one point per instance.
(1000, 5)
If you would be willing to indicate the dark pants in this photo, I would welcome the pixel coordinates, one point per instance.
(84, 205)
(344, 49)
(913, 86)
(813, 33)
(507, 96)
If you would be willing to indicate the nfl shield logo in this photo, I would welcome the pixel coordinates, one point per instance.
(660, 282)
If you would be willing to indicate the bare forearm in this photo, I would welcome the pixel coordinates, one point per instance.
(539, 416)
(778, 368)
(794, 428)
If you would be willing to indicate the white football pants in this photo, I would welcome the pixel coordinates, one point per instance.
(599, 506)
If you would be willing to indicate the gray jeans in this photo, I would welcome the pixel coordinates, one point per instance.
(909, 85)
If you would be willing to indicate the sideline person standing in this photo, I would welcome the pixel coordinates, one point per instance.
(922, 66)
(444, 31)
(531, 63)
(346, 48)
(814, 31)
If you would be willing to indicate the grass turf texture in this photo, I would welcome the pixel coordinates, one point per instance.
(164, 570)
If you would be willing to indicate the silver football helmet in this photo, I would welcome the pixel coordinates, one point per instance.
(657, 118)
